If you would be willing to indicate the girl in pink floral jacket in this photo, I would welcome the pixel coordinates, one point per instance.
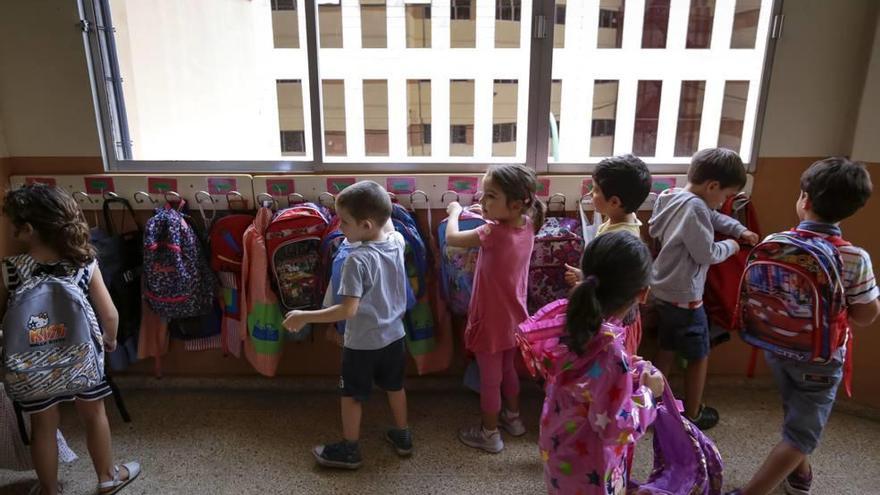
(598, 402)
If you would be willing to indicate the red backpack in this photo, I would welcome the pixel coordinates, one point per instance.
(293, 243)
(227, 251)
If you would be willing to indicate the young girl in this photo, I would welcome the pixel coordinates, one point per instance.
(597, 402)
(49, 222)
(498, 301)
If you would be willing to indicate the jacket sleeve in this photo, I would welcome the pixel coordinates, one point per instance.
(726, 225)
(698, 236)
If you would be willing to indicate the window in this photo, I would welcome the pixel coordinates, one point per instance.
(346, 85)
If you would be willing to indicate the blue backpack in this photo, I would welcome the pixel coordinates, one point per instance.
(178, 281)
(457, 265)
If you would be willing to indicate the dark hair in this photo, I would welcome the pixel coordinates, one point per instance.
(366, 200)
(56, 219)
(626, 177)
(719, 164)
(616, 266)
(519, 183)
(837, 187)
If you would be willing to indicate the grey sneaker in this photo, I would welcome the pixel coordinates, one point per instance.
(343, 455)
(401, 440)
(513, 426)
(478, 438)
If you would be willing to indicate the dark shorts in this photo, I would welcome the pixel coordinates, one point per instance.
(808, 391)
(360, 369)
(685, 331)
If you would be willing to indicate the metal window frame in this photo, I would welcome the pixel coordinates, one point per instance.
(537, 141)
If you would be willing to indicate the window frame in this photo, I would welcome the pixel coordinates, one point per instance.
(108, 110)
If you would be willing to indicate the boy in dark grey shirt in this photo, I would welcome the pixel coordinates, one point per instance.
(374, 298)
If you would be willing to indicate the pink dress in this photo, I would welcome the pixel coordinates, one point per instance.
(498, 301)
(594, 411)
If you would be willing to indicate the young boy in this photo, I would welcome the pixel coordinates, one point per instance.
(620, 185)
(831, 190)
(685, 221)
(373, 290)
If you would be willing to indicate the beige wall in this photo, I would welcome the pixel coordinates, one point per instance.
(817, 78)
(866, 143)
(3, 151)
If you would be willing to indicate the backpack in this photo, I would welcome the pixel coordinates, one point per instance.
(792, 300)
(418, 320)
(293, 242)
(178, 283)
(227, 252)
(120, 256)
(52, 340)
(686, 461)
(457, 265)
(557, 243)
(540, 333)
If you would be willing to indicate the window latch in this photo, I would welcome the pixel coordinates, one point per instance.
(776, 29)
(540, 31)
(85, 25)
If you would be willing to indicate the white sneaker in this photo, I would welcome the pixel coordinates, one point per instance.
(479, 438)
(514, 426)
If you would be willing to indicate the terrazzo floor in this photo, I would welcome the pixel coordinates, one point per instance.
(194, 437)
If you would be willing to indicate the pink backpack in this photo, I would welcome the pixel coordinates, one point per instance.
(539, 334)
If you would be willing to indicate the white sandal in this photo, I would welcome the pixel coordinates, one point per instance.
(116, 484)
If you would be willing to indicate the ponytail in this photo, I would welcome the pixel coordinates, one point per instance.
(537, 212)
(584, 315)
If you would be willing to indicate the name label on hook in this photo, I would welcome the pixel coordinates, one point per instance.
(335, 185)
(463, 184)
(586, 187)
(543, 188)
(222, 185)
(400, 185)
(161, 185)
(48, 181)
(660, 184)
(99, 185)
(280, 187)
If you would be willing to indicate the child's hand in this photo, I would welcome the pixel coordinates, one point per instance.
(295, 320)
(109, 344)
(454, 209)
(750, 238)
(573, 276)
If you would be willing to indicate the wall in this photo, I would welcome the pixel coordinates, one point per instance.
(817, 90)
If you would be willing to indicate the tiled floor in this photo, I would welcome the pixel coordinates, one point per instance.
(254, 440)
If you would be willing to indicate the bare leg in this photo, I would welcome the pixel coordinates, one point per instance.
(397, 401)
(783, 459)
(664, 362)
(94, 416)
(694, 383)
(44, 448)
(351, 419)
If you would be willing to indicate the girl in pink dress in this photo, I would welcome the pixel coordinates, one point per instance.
(498, 301)
(598, 403)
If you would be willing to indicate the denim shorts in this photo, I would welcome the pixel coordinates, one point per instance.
(681, 330)
(808, 391)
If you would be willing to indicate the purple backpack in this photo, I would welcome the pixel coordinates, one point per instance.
(178, 282)
(686, 461)
(457, 265)
(559, 241)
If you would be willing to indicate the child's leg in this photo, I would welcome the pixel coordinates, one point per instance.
(664, 361)
(397, 401)
(783, 459)
(44, 448)
(94, 416)
(351, 419)
(491, 369)
(510, 381)
(694, 383)
(390, 372)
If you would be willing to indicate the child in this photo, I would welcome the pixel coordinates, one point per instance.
(620, 186)
(597, 404)
(49, 222)
(373, 290)
(831, 191)
(685, 222)
(498, 301)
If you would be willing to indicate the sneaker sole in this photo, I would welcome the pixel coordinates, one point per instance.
(336, 464)
(400, 452)
(510, 431)
(480, 446)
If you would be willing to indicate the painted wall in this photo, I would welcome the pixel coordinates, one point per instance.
(866, 145)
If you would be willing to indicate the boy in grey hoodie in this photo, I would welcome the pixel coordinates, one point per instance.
(685, 222)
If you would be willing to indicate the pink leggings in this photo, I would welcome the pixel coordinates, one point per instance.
(497, 376)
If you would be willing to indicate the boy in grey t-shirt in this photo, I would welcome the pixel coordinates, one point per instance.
(374, 298)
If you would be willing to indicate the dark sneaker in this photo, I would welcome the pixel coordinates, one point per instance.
(798, 484)
(401, 440)
(706, 418)
(342, 455)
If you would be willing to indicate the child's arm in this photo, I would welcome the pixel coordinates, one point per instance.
(296, 320)
(573, 276)
(104, 309)
(455, 237)
(862, 315)
(728, 226)
(699, 239)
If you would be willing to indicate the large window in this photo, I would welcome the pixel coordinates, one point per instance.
(419, 85)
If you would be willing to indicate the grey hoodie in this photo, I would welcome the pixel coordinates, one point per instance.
(685, 226)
